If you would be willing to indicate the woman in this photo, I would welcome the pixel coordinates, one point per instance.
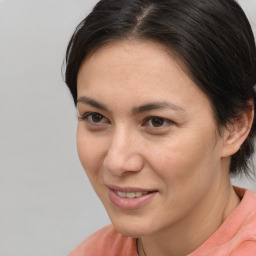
(165, 100)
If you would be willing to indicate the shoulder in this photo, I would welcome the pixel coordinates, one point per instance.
(108, 242)
(247, 248)
(237, 235)
(247, 231)
(244, 241)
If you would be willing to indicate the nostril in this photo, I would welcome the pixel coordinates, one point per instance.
(120, 164)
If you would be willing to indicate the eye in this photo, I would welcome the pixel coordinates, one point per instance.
(157, 122)
(93, 118)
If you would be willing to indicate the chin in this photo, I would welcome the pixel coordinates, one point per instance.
(129, 231)
(132, 226)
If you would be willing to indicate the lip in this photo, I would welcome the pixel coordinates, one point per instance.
(130, 189)
(130, 203)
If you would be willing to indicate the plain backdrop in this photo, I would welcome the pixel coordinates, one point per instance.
(47, 204)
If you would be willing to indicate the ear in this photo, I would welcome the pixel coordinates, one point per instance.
(237, 131)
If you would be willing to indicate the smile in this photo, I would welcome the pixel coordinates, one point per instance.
(130, 198)
(131, 194)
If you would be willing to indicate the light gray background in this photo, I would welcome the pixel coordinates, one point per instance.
(47, 204)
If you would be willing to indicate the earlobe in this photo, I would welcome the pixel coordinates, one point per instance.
(236, 132)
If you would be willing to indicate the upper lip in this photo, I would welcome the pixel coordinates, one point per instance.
(130, 189)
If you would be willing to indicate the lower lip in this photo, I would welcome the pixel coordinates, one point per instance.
(129, 203)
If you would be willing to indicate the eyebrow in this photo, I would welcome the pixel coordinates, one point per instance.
(92, 103)
(156, 106)
(135, 110)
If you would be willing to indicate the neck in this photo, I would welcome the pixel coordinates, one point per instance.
(188, 234)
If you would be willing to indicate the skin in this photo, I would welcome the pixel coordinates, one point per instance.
(182, 155)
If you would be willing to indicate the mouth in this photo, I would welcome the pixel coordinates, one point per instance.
(130, 198)
(131, 194)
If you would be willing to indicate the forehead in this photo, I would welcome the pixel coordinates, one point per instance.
(137, 71)
(130, 59)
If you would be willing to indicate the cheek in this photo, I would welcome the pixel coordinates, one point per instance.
(186, 169)
(187, 160)
(91, 151)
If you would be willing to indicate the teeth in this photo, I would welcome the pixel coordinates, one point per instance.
(131, 194)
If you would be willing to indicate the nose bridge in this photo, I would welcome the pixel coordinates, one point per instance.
(123, 153)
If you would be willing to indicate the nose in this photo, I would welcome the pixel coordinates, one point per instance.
(123, 154)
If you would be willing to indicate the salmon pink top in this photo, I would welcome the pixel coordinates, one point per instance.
(235, 237)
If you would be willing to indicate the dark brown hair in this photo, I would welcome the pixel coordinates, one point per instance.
(212, 38)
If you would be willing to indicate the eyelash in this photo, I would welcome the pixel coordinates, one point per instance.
(88, 115)
(165, 121)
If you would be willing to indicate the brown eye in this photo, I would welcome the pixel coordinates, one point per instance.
(157, 122)
(96, 118)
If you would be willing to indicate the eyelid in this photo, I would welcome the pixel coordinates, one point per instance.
(86, 115)
(145, 123)
(82, 117)
(147, 119)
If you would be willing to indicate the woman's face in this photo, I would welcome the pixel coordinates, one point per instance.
(146, 137)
